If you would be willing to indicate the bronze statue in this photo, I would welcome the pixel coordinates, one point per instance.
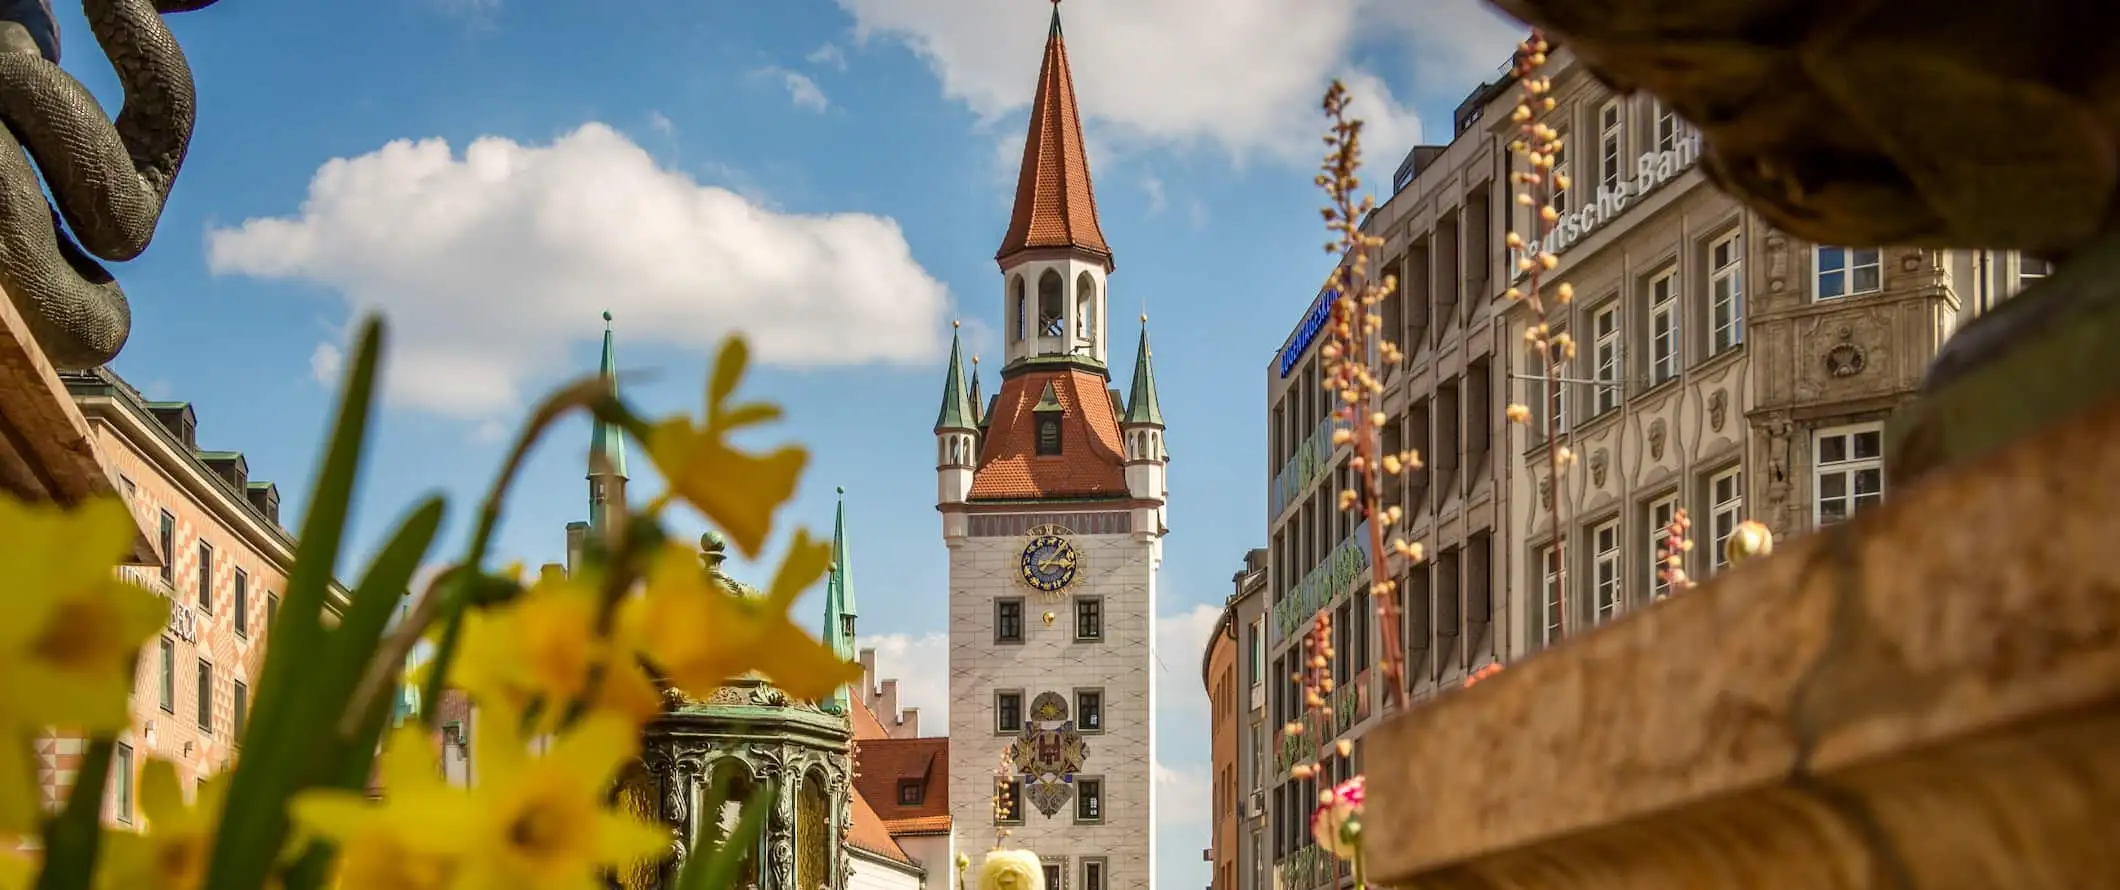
(109, 179)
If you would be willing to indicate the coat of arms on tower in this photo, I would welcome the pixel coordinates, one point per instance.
(1049, 753)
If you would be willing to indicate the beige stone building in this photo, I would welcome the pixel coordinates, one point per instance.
(223, 560)
(1721, 367)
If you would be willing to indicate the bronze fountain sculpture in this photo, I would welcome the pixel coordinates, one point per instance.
(108, 178)
(1937, 123)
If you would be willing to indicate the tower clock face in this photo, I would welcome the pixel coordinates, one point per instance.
(1049, 564)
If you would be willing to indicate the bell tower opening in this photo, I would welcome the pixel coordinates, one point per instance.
(1015, 308)
(1086, 315)
(1051, 319)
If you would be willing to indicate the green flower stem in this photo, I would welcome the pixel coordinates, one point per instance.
(72, 840)
(585, 392)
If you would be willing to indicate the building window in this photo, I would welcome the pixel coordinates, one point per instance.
(1089, 800)
(1089, 709)
(1257, 659)
(1054, 872)
(1089, 618)
(1544, 377)
(911, 793)
(205, 577)
(1560, 174)
(1848, 472)
(1048, 435)
(1848, 271)
(272, 611)
(1605, 326)
(240, 601)
(1666, 127)
(1550, 589)
(1008, 800)
(2031, 269)
(1661, 512)
(205, 697)
(1726, 293)
(1726, 496)
(1611, 148)
(169, 675)
(1008, 712)
(1663, 327)
(168, 540)
(1604, 540)
(1008, 620)
(121, 767)
(241, 714)
(1093, 876)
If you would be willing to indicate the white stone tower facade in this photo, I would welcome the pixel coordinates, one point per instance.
(1053, 501)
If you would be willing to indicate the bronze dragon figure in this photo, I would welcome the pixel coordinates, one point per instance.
(108, 179)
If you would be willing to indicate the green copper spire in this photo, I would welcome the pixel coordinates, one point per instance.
(956, 411)
(1141, 405)
(609, 482)
(839, 599)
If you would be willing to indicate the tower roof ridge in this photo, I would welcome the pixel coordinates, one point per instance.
(1056, 206)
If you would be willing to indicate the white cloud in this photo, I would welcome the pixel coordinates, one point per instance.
(661, 123)
(828, 55)
(921, 665)
(1244, 74)
(803, 91)
(1174, 787)
(1181, 647)
(325, 363)
(525, 244)
(1156, 198)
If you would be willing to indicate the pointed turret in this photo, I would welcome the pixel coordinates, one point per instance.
(839, 599)
(956, 438)
(607, 446)
(1141, 406)
(978, 402)
(1055, 205)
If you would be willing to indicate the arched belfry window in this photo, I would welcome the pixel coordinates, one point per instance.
(1015, 308)
(1051, 319)
(733, 777)
(813, 827)
(1048, 434)
(1086, 309)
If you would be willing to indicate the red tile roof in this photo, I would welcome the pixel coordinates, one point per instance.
(868, 833)
(880, 765)
(1090, 463)
(1055, 205)
(866, 726)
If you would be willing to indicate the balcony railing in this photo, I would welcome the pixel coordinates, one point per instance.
(1312, 456)
(1348, 561)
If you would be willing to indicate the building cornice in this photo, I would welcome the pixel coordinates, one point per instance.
(130, 418)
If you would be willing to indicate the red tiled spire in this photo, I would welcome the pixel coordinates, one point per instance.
(1055, 205)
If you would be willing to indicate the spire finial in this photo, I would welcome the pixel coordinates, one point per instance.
(954, 323)
(607, 318)
(842, 491)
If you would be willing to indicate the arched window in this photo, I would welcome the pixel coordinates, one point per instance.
(1050, 311)
(733, 779)
(1086, 309)
(1015, 303)
(813, 827)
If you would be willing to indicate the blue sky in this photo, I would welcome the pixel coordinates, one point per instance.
(829, 176)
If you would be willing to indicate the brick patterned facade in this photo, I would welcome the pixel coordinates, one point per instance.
(159, 472)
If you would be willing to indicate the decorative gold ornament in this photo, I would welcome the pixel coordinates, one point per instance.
(1049, 619)
(1751, 538)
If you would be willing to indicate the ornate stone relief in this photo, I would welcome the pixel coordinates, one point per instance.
(1545, 492)
(1777, 262)
(1718, 409)
(1048, 754)
(1845, 360)
(1656, 439)
(1598, 460)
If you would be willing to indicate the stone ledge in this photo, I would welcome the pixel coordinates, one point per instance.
(47, 453)
(1924, 697)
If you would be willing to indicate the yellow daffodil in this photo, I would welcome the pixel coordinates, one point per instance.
(701, 634)
(412, 840)
(171, 853)
(543, 647)
(541, 821)
(17, 871)
(72, 633)
(737, 490)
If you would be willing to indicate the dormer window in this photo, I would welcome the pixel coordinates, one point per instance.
(1048, 436)
(910, 793)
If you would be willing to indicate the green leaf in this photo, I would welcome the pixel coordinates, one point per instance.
(718, 869)
(71, 841)
(254, 825)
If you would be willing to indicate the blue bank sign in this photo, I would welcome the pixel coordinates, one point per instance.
(1313, 322)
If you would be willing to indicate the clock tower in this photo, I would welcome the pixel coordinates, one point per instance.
(1052, 497)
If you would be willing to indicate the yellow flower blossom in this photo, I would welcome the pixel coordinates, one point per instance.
(172, 851)
(543, 647)
(541, 822)
(701, 634)
(412, 840)
(17, 871)
(71, 636)
(737, 490)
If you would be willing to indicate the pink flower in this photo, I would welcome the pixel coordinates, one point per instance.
(1337, 822)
